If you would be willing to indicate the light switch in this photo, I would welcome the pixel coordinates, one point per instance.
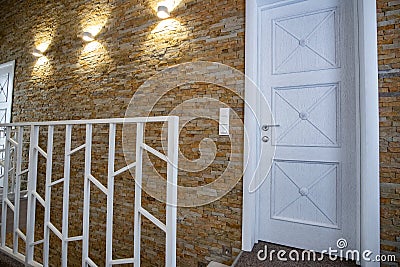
(224, 121)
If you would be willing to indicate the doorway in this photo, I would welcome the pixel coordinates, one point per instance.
(321, 83)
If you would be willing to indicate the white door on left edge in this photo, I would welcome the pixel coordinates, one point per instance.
(6, 94)
(307, 73)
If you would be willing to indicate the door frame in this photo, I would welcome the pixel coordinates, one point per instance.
(10, 65)
(368, 117)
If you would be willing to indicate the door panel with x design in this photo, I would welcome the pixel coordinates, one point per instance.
(307, 42)
(308, 115)
(306, 192)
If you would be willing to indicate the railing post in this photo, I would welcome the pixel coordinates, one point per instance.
(49, 164)
(5, 187)
(33, 162)
(172, 192)
(110, 194)
(86, 196)
(138, 192)
(14, 166)
(67, 163)
(17, 195)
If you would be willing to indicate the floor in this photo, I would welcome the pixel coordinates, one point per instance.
(7, 261)
(246, 259)
(251, 259)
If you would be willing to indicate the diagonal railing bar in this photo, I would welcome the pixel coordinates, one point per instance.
(21, 235)
(124, 169)
(76, 149)
(153, 219)
(39, 198)
(15, 158)
(24, 171)
(54, 229)
(12, 141)
(122, 261)
(57, 182)
(9, 204)
(75, 238)
(154, 152)
(37, 242)
(41, 151)
(98, 184)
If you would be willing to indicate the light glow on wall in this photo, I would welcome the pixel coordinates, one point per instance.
(167, 26)
(91, 47)
(42, 47)
(42, 68)
(95, 17)
(165, 38)
(94, 57)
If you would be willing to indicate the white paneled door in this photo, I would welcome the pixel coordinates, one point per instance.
(6, 93)
(307, 71)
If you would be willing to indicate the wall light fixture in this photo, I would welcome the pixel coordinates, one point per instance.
(37, 53)
(87, 37)
(163, 12)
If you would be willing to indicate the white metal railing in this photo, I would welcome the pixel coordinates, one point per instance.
(14, 142)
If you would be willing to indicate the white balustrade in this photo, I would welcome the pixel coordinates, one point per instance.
(13, 172)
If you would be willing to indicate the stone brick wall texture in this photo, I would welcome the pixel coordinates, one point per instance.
(82, 81)
(78, 80)
(389, 108)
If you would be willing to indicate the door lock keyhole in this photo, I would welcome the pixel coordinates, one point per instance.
(265, 139)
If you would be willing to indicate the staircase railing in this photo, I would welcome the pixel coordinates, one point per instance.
(13, 172)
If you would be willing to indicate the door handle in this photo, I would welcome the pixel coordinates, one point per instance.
(267, 126)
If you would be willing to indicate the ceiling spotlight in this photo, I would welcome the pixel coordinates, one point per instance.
(163, 12)
(37, 53)
(87, 36)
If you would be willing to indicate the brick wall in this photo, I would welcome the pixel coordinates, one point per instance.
(98, 82)
(81, 81)
(389, 103)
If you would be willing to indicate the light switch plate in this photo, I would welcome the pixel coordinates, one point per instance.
(224, 121)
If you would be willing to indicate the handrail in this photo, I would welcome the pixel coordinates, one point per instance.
(14, 142)
(91, 121)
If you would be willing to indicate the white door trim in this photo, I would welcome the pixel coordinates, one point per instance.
(10, 65)
(369, 126)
